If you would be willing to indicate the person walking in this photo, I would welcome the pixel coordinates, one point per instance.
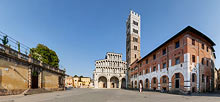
(140, 88)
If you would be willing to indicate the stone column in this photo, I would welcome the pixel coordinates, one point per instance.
(29, 77)
(40, 80)
(108, 83)
(170, 83)
(119, 84)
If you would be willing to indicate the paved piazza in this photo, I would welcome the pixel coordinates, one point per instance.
(109, 95)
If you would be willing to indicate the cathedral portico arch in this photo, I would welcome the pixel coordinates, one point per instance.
(102, 82)
(114, 82)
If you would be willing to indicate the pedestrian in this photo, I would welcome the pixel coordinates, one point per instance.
(140, 88)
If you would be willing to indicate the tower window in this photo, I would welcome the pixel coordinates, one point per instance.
(135, 31)
(135, 23)
(135, 39)
(207, 79)
(177, 44)
(135, 56)
(135, 47)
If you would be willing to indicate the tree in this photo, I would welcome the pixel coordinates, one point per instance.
(46, 55)
(75, 76)
(5, 40)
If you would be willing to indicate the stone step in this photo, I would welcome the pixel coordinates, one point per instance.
(35, 91)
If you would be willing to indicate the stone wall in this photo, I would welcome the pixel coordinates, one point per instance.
(13, 77)
(50, 80)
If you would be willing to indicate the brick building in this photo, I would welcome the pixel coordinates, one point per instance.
(185, 62)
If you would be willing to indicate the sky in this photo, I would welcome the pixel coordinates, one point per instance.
(82, 31)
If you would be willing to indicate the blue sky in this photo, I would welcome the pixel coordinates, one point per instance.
(83, 31)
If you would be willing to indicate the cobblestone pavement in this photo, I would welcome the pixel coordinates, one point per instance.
(109, 95)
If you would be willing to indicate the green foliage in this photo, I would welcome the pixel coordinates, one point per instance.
(81, 76)
(19, 46)
(34, 73)
(75, 76)
(46, 55)
(5, 40)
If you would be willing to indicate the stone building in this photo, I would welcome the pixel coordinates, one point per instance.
(19, 73)
(81, 82)
(76, 82)
(110, 72)
(85, 82)
(217, 79)
(69, 81)
(183, 63)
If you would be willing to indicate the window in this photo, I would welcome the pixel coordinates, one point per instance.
(135, 23)
(193, 77)
(193, 58)
(177, 44)
(202, 61)
(164, 79)
(193, 41)
(207, 62)
(146, 61)
(164, 51)
(203, 46)
(146, 70)
(207, 48)
(177, 61)
(146, 83)
(140, 64)
(135, 56)
(203, 78)
(164, 65)
(135, 31)
(154, 68)
(155, 80)
(154, 57)
(135, 47)
(140, 73)
(135, 39)
(207, 79)
(177, 75)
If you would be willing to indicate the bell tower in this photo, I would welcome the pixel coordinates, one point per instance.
(133, 25)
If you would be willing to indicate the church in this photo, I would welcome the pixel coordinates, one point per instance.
(110, 72)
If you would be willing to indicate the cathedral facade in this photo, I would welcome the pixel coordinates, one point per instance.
(110, 72)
